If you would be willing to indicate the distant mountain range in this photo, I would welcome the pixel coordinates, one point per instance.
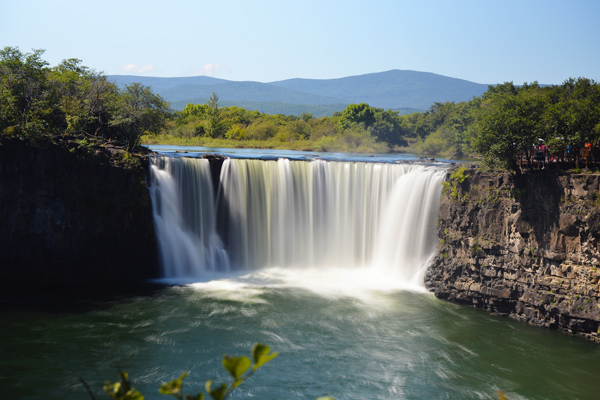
(404, 91)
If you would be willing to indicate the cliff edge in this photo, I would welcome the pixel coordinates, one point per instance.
(522, 246)
(73, 211)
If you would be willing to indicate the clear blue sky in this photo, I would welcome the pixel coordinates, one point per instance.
(484, 41)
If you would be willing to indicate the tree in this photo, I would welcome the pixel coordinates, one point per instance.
(139, 110)
(388, 127)
(295, 130)
(306, 116)
(510, 123)
(579, 111)
(24, 91)
(507, 88)
(100, 102)
(68, 82)
(214, 127)
(358, 114)
(196, 110)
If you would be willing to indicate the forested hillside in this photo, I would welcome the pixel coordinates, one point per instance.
(396, 90)
(391, 89)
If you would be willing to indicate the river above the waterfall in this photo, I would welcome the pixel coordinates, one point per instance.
(268, 154)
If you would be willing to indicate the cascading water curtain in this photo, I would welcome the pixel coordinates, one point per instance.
(407, 234)
(296, 214)
(343, 214)
(184, 217)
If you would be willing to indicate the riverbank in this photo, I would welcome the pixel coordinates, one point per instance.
(327, 144)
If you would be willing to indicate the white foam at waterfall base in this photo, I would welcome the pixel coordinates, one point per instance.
(333, 283)
(334, 228)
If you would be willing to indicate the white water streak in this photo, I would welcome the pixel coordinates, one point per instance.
(184, 217)
(305, 216)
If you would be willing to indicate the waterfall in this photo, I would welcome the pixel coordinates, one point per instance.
(184, 217)
(407, 235)
(296, 214)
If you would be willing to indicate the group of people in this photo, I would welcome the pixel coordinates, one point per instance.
(541, 157)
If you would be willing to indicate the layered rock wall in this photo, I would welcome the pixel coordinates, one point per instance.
(71, 213)
(523, 246)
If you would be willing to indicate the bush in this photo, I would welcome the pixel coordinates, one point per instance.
(236, 132)
(450, 188)
(433, 145)
(261, 130)
(240, 369)
(328, 143)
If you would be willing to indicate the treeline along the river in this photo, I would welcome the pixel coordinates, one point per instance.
(507, 126)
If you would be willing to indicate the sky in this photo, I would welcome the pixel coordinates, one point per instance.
(483, 41)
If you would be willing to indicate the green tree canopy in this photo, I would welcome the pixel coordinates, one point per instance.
(71, 99)
(139, 110)
(24, 94)
(358, 114)
(510, 123)
(388, 127)
(214, 126)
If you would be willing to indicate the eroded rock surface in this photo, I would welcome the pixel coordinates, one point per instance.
(522, 246)
(72, 213)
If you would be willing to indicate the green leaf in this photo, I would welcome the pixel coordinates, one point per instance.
(261, 356)
(218, 393)
(236, 366)
(326, 398)
(165, 389)
(174, 386)
(122, 390)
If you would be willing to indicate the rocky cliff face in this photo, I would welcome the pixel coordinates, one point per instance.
(523, 246)
(73, 213)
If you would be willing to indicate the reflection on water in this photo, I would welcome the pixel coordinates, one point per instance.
(345, 339)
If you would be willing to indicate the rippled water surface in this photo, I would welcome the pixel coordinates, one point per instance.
(336, 335)
(267, 154)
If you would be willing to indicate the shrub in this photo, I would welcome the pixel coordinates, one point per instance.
(240, 369)
(450, 187)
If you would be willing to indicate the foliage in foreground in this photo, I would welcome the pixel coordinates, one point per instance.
(239, 368)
